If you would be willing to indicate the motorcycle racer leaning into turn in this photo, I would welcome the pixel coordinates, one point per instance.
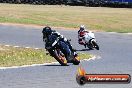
(81, 33)
(47, 31)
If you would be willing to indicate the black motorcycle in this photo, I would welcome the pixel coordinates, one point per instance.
(60, 51)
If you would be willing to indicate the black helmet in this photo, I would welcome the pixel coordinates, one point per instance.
(47, 31)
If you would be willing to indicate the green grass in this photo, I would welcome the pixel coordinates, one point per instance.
(10, 56)
(96, 18)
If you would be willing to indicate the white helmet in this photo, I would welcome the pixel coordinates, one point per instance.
(82, 26)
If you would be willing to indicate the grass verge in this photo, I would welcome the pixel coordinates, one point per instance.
(97, 18)
(11, 56)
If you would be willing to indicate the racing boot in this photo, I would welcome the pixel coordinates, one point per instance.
(85, 45)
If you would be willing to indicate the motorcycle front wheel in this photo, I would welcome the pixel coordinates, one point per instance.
(60, 57)
(76, 60)
(95, 45)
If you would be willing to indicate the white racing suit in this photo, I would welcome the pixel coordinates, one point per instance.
(85, 37)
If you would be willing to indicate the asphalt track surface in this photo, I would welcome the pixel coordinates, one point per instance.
(114, 56)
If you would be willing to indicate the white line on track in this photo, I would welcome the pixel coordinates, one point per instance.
(7, 45)
(128, 33)
(27, 47)
(119, 33)
(16, 46)
(93, 58)
(112, 32)
(34, 65)
(36, 48)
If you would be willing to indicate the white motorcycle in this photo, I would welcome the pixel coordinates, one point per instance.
(89, 40)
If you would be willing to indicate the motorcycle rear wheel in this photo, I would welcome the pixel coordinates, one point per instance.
(90, 46)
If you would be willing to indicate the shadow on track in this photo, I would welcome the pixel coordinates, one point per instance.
(58, 65)
(84, 50)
